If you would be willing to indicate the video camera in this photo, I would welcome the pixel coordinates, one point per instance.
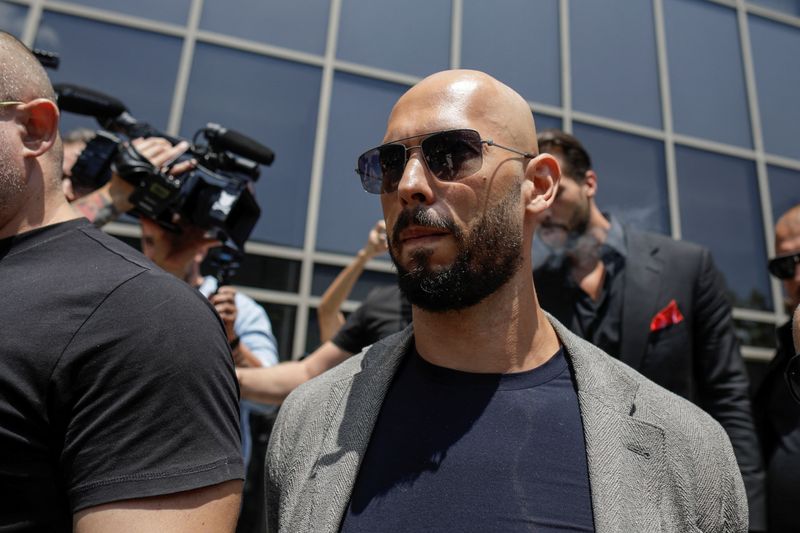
(215, 195)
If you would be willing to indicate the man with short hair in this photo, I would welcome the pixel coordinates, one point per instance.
(778, 416)
(656, 304)
(486, 414)
(118, 409)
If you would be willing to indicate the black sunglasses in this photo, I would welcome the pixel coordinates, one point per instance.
(783, 267)
(450, 155)
(792, 376)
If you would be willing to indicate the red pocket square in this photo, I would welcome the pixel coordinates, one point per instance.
(666, 317)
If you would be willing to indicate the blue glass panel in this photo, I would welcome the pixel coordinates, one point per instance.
(546, 122)
(534, 73)
(791, 7)
(784, 189)
(615, 71)
(174, 11)
(134, 66)
(720, 209)
(12, 18)
(299, 24)
(359, 109)
(705, 72)
(276, 103)
(776, 49)
(631, 176)
(412, 36)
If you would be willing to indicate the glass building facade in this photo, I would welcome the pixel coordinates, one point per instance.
(688, 107)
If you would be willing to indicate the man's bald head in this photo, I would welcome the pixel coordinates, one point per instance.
(788, 225)
(456, 97)
(22, 77)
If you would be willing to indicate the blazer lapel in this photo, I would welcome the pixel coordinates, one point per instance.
(641, 287)
(625, 455)
(353, 407)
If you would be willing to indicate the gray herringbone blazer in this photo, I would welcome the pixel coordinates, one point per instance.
(656, 462)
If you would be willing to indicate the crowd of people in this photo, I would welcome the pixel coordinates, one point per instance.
(603, 391)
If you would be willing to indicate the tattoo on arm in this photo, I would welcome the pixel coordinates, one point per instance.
(98, 208)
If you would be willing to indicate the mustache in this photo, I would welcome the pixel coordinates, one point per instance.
(425, 217)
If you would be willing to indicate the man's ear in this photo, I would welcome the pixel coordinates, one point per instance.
(590, 183)
(39, 118)
(542, 177)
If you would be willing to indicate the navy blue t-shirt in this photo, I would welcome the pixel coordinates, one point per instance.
(457, 451)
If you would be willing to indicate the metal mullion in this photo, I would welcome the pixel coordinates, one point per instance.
(184, 68)
(758, 144)
(457, 14)
(566, 65)
(255, 47)
(673, 197)
(118, 19)
(32, 21)
(315, 189)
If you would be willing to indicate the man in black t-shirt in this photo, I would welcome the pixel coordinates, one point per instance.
(119, 406)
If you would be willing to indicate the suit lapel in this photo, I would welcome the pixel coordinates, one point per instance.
(642, 284)
(625, 454)
(352, 409)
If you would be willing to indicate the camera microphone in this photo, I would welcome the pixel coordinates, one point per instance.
(83, 101)
(238, 143)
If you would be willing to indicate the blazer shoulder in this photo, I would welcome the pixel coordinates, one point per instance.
(637, 238)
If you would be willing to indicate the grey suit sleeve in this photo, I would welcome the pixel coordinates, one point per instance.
(724, 387)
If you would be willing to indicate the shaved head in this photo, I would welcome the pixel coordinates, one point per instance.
(788, 225)
(457, 97)
(22, 77)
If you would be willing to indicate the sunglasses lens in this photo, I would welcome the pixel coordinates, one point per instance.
(793, 377)
(783, 267)
(452, 155)
(381, 168)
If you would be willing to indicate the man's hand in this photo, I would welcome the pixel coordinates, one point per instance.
(376, 242)
(224, 301)
(111, 200)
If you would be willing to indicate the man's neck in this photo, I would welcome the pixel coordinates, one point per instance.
(506, 332)
(44, 212)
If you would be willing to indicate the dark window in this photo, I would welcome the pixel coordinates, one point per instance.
(720, 209)
(528, 61)
(174, 11)
(412, 36)
(705, 72)
(615, 71)
(299, 24)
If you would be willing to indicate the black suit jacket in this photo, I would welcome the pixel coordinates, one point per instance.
(698, 358)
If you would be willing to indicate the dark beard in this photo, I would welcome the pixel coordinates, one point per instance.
(486, 260)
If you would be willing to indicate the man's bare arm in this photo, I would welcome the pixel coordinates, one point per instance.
(213, 509)
(273, 384)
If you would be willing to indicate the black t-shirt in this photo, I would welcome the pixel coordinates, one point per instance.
(116, 380)
(385, 312)
(457, 451)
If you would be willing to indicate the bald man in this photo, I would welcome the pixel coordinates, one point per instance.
(118, 409)
(777, 415)
(486, 414)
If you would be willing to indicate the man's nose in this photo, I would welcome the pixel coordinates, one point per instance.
(415, 183)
